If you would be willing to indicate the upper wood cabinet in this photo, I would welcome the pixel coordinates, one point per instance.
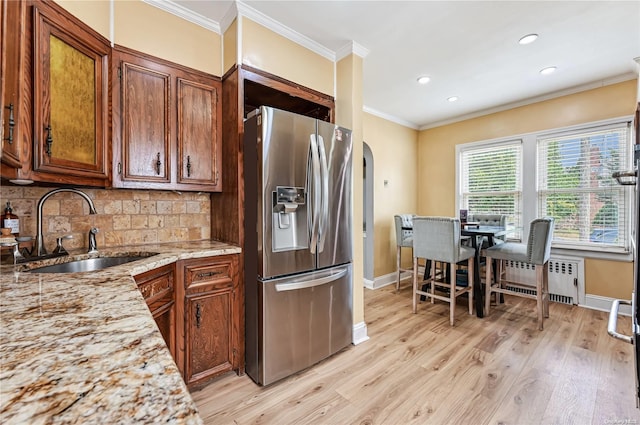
(11, 45)
(166, 125)
(70, 95)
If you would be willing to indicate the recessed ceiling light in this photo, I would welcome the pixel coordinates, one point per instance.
(424, 79)
(529, 38)
(548, 70)
(452, 98)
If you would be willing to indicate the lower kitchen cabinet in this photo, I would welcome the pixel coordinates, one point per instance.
(212, 307)
(158, 289)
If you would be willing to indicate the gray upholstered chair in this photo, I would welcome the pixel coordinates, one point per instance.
(404, 239)
(499, 220)
(438, 239)
(536, 252)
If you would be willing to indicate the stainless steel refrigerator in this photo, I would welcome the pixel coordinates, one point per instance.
(631, 178)
(298, 248)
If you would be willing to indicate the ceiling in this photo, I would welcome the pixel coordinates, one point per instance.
(469, 49)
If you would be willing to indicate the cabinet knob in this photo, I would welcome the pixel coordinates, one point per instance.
(12, 124)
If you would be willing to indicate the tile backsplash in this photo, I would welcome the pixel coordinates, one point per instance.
(124, 217)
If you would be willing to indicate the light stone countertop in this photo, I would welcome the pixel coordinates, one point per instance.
(83, 347)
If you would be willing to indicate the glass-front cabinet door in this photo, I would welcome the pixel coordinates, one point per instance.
(70, 97)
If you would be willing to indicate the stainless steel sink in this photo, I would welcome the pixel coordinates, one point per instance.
(88, 265)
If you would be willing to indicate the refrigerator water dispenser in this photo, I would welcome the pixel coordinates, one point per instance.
(288, 208)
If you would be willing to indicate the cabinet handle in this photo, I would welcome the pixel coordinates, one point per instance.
(198, 315)
(119, 167)
(49, 140)
(158, 164)
(12, 124)
(188, 166)
(208, 274)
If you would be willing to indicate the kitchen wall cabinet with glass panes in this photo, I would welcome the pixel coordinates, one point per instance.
(56, 81)
(166, 124)
(70, 97)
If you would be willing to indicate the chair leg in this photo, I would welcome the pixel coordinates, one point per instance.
(452, 294)
(470, 282)
(487, 287)
(432, 282)
(539, 294)
(398, 252)
(415, 284)
(545, 288)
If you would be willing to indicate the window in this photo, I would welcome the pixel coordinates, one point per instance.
(575, 187)
(491, 181)
(562, 173)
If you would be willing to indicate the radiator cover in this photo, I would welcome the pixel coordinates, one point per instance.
(566, 278)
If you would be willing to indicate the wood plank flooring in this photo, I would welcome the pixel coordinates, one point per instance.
(416, 369)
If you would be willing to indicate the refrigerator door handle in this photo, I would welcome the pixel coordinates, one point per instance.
(310, 282)
(620, 175)
(613, 321)
(324, 180)
(315, 192)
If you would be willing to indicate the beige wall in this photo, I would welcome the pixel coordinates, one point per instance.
(436, 156)
(230, 47)
(394, 148)
(349, 115)
(93, 13)
(148, 29)
(273, 53)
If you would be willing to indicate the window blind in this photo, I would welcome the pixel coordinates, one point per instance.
(575, 187)
(491, 182)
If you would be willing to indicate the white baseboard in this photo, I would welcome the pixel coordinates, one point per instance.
(597, 302)
(389, 279)
(360, 333)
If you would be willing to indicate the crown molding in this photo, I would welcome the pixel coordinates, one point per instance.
(572, 90)
(275, 26)
(229, 17)
(390, 118)
(186, 14)
(351, 48)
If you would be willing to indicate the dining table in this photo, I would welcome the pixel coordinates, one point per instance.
(476, 233)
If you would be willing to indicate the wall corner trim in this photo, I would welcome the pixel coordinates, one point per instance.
(360, 333)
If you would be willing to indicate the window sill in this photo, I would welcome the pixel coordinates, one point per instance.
(595, 254)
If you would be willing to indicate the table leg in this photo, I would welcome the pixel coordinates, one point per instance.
(478, 293)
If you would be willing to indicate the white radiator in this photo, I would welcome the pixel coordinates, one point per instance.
(566, 278)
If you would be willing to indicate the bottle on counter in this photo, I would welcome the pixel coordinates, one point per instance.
(10, 220)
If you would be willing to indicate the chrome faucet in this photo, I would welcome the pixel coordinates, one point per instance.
(40, 248)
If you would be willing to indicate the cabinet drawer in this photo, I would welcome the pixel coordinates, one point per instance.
(156, 286)
(217, 274)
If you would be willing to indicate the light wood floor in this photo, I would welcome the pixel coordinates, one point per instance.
(416, 369)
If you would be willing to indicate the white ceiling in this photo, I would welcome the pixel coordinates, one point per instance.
(469, 49)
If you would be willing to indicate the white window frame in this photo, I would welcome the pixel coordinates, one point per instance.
(529, 183)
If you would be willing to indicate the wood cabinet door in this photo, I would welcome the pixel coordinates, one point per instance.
(11, 38)
(70, 96)
(199, 120)
(212, 318)
(209, 345)
(142, 124)
(158, 289)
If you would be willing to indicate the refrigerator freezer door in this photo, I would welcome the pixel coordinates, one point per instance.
(283, 227)
(305, 319)
(335, 151)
